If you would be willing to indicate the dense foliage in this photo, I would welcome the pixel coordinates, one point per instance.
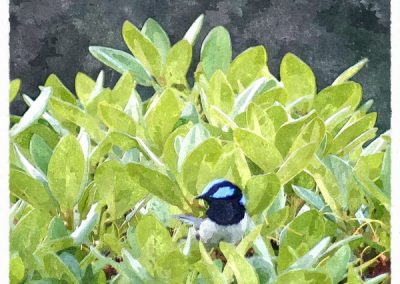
(95, 178)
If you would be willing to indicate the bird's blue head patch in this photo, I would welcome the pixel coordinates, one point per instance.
(222, 189)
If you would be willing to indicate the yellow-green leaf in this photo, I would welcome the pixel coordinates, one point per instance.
(65, 172)
(259, 150)
(142, 48)
(247, 67)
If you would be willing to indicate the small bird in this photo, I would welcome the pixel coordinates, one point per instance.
(226, 219)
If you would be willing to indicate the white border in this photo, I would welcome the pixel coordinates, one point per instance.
(395, 87)
(4, 119)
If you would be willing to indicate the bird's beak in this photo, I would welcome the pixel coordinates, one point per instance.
(198, 197)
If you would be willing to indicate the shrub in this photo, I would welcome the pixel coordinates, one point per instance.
(95, 178)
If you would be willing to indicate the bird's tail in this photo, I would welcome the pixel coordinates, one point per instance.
(188, 219)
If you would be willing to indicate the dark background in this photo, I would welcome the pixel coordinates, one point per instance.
(53, 36)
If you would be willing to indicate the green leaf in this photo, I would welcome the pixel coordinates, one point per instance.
(296, 162)
(116, 119)
(82, 232)
(261, 191)
(247, 242)
(312, 132)
(297, 77)
(57, 229)
(309, 196)
(303, 276)
(194, 30)
(353, 277)
(307, 228)
(308, 260)
(17, 273)
(27, 234)
(350, 72)
(209, 150)
(244, 98)
(117, 188)
(292, 130)
(59, 90)
(386, 172)
(275, 221)
(259, 122)
(156, 183)
(193, 138)
(177, 63)
(335, 98)
(326, 183)
(351, 132)
(31, 190)
(65, 172)
(269, 97)
(40, 152)
(55, 267)
(220, 93)
(84, 85)
(336, 266)
(170, 156)
(77, 116)
(154, 32)
(247, 67)
(161, 117)
(278, 115)
(25, 164)
(122, 91)
(142, 48)
(216, 51)
(258, 149)
(243, 271)
(122, 62)
(33, 113)
(15, 86)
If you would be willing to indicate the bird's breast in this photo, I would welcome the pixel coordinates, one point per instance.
(212, 233)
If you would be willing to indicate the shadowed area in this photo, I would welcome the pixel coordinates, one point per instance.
(53, 36)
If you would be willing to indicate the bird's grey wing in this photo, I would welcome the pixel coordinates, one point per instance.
(188, 219)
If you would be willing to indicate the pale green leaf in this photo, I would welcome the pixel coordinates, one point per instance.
(30, 190)
(40, 152)
(154, 32)
(247, 67)
(122, 62)
(177, 63)
(15, 86)
(307, 228)
(142, 48)
(65, 172)
(350, 72)
(258, 149)
(220, 93)
(194, 30)
(297, 77)
(243, 271)
(336, 266)
(117, 188)
(116, 119)
(77, 116)
(161, 117)
(334, 98)
(59, 90)
(33, 113)
(216, 51)
(261, 191)
(304, 276)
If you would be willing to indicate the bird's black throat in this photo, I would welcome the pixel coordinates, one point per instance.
(226, 212)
